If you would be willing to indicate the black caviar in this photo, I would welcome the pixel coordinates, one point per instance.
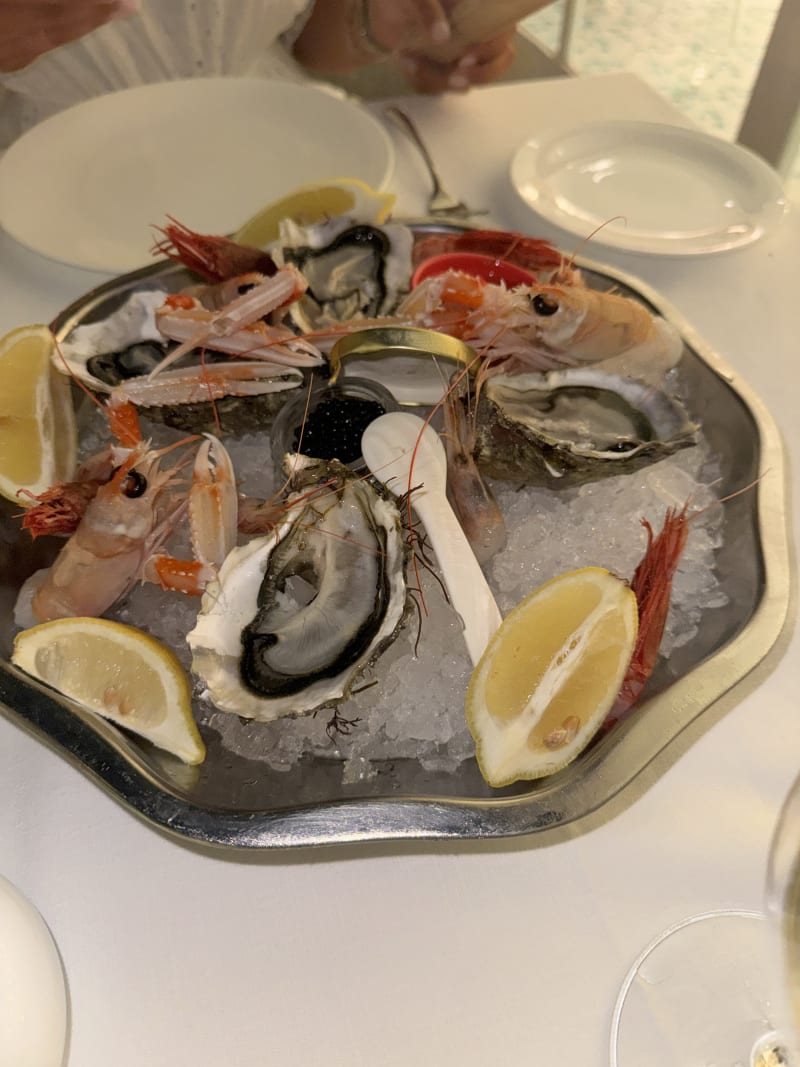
(334, 428)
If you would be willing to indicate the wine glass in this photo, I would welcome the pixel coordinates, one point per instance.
(783, 908)
(721, 989)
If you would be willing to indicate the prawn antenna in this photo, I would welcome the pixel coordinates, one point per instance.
(614, 218)
(68, 370)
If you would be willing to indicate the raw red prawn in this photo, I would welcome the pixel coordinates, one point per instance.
(652, 585)
(529, 252)
(214, 258)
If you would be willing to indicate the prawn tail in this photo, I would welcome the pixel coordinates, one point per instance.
(652, 586)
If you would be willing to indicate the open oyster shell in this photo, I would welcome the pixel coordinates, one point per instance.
(573, 426)
(354, 269)
(293, 618)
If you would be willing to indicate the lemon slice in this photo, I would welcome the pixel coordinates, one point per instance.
(118, 672)
(312, 203)
(550, 675)
(37, 425)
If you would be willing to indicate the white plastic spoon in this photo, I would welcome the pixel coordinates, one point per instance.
(388, 447)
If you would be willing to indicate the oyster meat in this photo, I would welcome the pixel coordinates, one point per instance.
(573, 426)
(353, 269)
(293, 618)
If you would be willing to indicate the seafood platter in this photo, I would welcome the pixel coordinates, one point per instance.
(330, 631)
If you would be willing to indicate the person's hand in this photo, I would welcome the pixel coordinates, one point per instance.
(479, 64)
(392, 24)
(29, 28)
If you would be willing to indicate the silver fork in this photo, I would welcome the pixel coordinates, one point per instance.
(441, 204)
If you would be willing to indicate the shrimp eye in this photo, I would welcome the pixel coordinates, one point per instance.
(543, 305)
(135, 485)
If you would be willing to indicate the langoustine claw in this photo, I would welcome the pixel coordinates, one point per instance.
(238, 327)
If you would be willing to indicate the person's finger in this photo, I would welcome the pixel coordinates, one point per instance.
(486, 62)
(426, 75)
(486, 51)
(479, 65)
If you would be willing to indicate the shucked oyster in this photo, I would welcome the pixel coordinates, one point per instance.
(293, 618)
(573, 426)
(354, 270)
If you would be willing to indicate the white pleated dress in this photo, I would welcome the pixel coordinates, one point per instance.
(167, 39)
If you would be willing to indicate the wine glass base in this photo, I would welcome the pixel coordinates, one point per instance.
(705, 993)
(770, 1052)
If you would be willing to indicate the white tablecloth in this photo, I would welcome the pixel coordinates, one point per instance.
(434, 954)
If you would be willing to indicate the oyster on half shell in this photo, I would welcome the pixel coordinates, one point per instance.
(354, 270)
(573, 426)
(293, 618)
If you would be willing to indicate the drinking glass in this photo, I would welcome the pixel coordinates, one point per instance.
(722, 989)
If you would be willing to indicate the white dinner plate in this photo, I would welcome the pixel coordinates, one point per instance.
(651, 187)
(87, 185)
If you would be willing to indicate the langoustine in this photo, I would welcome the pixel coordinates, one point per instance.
(122, 531)
(545, 327)
(228, 318)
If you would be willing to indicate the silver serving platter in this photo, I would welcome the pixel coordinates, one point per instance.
(240, 803)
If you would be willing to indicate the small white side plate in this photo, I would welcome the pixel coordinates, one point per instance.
(651, 187)
(87, 185)
(33, 998)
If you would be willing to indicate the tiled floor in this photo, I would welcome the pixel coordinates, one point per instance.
(703, 55)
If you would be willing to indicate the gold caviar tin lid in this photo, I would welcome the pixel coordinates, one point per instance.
(413, 364)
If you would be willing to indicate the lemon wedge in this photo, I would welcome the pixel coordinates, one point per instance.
(118, 672)
(38, 440)
(312, 203)
(550, 675)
